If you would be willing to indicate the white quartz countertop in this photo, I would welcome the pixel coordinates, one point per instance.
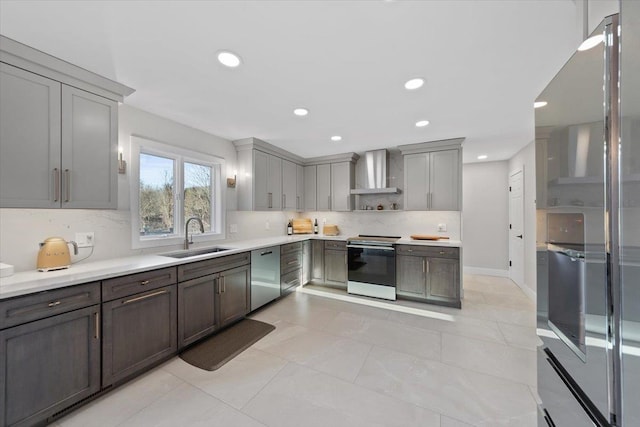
(27, 282)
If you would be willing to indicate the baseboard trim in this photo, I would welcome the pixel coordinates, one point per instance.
(528, 291)
(485, 271)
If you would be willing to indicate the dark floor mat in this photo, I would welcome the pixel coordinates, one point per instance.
(214, 352)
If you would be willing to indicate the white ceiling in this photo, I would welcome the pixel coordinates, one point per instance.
(346, 61)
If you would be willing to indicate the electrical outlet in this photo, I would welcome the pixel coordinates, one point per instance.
(85, 239)
(233, 228)
(442, 227)
(324, 220)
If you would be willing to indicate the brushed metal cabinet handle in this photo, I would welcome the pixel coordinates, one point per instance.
(54, 304)
(97, 320)
(266, 253)
(56, 184)
(144, 282)
(329, 202)
(297, 202)
(284, 200)
(428, 266)
(424, 263)
(224, 285)
(67, 180)
(144, 297)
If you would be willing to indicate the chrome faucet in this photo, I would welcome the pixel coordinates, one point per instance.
(186, 231)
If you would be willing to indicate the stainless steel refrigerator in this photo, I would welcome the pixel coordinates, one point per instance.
(588, 232)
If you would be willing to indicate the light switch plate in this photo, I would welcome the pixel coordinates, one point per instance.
(85, 239)
(233, 228)
(442, 227)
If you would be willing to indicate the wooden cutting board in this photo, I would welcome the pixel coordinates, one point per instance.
(302, 226)
(427, 237)
(330, 230)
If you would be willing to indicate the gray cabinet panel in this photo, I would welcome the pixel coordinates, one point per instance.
(197, 313)
(139, 331)
(89, 150)
(323, 187)
(342, 175)
(233, 288)
(261, 196)
(317, 260)
(48, 365)
(411, 276)
(335, 267)
(306, 262)
(289, 186)
(29, 135)
(310, 190)
(416, 182)
(443, 282)
(120, 287)
(299, 188)
(210, 266)
(444, 180)
(274, 179)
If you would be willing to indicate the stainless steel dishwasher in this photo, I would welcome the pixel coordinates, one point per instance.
(265, 276)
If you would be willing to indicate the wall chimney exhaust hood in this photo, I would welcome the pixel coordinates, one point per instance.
(376, 174)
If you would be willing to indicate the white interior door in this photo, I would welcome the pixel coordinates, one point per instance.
(516, 225)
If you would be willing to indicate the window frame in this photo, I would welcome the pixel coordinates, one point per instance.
(180, 156)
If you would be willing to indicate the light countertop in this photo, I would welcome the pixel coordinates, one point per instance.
(27, 282)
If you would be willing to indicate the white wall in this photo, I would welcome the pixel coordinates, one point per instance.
(485, 217)
(526, 159)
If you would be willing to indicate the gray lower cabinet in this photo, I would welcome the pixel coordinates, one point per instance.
(138, 331)
(428, 273)
(197, 313)
(317, 261)
(233, 291)
(291, 262)
(306, 262)
(50, 363)
(335, 263)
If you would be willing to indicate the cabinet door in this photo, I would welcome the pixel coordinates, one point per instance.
(323, 187)
(443, 279)
(275, 183)
(317, 261)
(416, 182)
(444, 180)
(139, 331)
(341, 179)
(233, 293)
(299, 188)
(310, 188)
(89, 150)
(197, 314)
(289, 186)
(306, 262)
(49, 365)
(335, 267)
(29, 140)
(261, 197)
(411, 276)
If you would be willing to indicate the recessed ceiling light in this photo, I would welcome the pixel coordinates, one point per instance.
(482, 156)
(539, 104)
(422, 123)
(300, 111)
(414, 84)
(591, 42)
(336, 138)
(228, 59)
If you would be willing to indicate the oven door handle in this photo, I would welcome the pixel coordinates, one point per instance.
(382, 248)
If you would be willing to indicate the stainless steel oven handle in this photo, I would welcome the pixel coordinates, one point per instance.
(382, 248)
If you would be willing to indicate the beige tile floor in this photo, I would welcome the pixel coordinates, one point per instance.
(337, 363)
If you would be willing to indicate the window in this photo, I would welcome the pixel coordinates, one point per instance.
(169, 185)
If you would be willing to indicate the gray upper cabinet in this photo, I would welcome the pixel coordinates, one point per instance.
(323, 187)
(299, 188)
(89, 150)
(289, 186)
(58, 132)
(266, 183)
(432, 181)
(342, 179)
(30, 114)
(310, 188)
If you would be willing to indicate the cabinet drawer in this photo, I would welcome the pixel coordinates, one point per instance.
(290, 247)
(291, 261)
(335, 244)
(121, 287)
(48, 303)
(212, 266)
(428, 251)
(290, 280)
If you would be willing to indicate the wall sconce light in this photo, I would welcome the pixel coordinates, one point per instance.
(122, 165)
(231, 182)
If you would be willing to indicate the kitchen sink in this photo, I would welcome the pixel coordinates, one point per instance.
(194, 252)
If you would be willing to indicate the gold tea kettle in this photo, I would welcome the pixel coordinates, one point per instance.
(54, 254)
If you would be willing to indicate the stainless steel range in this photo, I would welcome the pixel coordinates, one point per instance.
(372, 266)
